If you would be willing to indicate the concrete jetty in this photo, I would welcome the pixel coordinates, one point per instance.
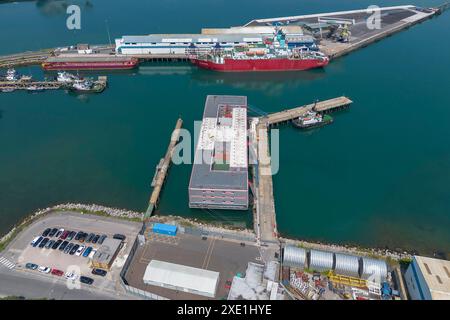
(265, 224)
(162, 169)
(319, 106)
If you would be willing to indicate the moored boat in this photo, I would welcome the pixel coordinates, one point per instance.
(268, 60)
(87, 86)
(34, 88)
(65, 77)
(89, 62)
(11, 75)
(312, 120)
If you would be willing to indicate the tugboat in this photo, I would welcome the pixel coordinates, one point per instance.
(87, 86)
(312, 120)
(65, 77)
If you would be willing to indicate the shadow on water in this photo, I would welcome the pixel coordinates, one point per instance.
(272, 83)
(54, 7)
(59, 7)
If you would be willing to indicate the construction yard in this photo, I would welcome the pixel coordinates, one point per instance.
(224, 256)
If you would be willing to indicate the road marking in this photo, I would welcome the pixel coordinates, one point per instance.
(210, 253)
(8, 264)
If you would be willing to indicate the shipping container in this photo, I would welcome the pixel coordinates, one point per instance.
(166, 229)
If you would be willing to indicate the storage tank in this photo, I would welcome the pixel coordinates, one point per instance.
(294, 257)
(374, 267)
(321, 260)
(346, 265)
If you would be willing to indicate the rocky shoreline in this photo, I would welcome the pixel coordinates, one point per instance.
(189, 222)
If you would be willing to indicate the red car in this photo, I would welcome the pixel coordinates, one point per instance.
(57, 272)
(64, 235)
(228, 284)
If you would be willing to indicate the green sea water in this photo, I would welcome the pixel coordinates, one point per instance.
(378, 176)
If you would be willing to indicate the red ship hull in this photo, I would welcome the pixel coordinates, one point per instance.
(90, 65)
(245, 65)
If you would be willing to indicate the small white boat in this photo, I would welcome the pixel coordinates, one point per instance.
(11, 75)
(8, 90)
(34, 88)
(66, 77)
(25, 78)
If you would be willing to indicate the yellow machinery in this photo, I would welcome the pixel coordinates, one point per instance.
(347, 281)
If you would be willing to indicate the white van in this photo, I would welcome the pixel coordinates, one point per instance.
(34, 240)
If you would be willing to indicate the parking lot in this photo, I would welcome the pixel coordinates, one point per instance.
(223, 256)
(21, 252)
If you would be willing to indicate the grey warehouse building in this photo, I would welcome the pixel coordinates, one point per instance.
(219, 178)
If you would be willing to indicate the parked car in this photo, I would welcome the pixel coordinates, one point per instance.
(91, 254)
(95, 239)
(228, 284)
(71, 276)
(83, 237)
(31, 266)
(119, 236)
(64, 235)
(59, 232)
(38, 241)
(90, 237)
(74, 249)
(44, 269)
(52, 232)
(78, 235)
(68, 248)
(71, 235)
(57, 272)
(86, 280)
(99, 272)
(80, 250)
(63, 245)
(56, 244)
(49, 244)
(34, 240)
(102, 238)
(87, 251)
(46, 232)
(43, 242)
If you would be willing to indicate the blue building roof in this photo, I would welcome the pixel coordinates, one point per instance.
(165, 227)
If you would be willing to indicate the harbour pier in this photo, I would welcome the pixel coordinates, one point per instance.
(162, 169)
(29, 85)
(265, 216)
(287, 115)
(25, 85)
(25, 58)
(337, 34)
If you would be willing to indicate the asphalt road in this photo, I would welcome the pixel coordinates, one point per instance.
(19, 283)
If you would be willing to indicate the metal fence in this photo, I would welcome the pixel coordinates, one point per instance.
(142, 293)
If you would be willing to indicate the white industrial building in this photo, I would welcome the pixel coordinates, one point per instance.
(182, 278)
(428, 279)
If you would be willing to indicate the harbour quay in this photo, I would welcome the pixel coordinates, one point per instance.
(333, 33)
